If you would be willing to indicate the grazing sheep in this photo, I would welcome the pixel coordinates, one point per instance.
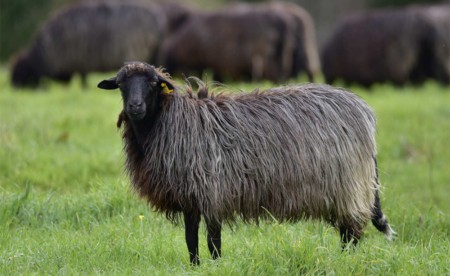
(377, 46)
(90, 36)
(241, 42)
(294, 152)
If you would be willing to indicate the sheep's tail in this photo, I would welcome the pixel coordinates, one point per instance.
(378, 218)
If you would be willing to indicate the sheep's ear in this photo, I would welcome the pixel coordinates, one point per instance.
(108, 84)
(166, 86)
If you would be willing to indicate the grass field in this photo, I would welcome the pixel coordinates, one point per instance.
(66, 206)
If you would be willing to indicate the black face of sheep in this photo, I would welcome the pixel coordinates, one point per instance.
(290, 153)
(140, 91)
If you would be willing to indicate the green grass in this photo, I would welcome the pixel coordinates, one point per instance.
(66, 206)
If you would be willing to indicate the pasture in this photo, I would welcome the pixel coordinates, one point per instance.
(66, 206)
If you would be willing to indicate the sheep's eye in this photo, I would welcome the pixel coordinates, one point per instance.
(153, 83)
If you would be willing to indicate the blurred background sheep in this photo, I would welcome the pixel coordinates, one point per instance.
(397, 45)
(361, 42)
(91, 36)
(272, 41)
(375, 46)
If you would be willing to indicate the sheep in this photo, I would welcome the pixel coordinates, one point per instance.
(292, 153)
(90, 36)
(377, 46)
(300, 49)
(241, 42)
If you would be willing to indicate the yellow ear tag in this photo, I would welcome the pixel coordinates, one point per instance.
(166, 89)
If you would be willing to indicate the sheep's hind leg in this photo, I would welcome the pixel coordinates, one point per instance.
(214, 238)
(350, 232)
(191, 224)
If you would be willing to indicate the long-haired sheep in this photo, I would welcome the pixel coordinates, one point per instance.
(90, 36)
(377, 46)
(241, 42)
(294, 152)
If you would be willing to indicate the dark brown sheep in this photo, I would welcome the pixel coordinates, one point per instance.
(90, 36)
(378, 46)
(292, 153)
(239, 43)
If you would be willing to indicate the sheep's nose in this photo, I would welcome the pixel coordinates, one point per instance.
(135, 105)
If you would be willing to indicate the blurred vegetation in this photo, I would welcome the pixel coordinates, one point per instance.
(20, 19)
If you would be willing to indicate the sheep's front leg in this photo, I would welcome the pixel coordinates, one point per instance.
(214, 238)
(191, 225)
